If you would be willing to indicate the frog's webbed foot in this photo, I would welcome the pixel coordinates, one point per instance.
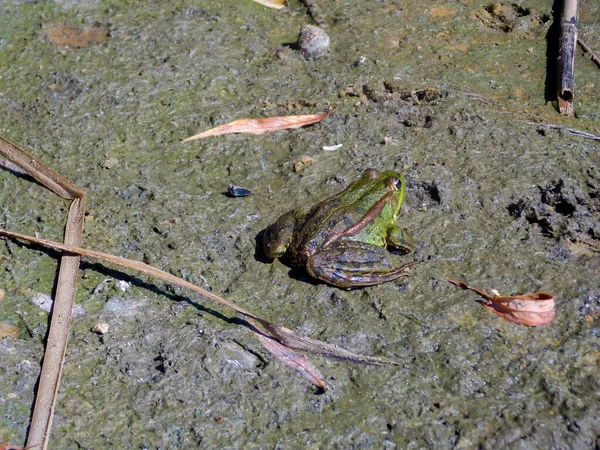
(277, 237)
(354, 264)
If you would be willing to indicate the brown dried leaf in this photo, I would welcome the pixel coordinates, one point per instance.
(531, 310)
(303, 343)
(292, 359)
(260, 126)
(8, 329)
(277, 4)
(527, 309)
(76, 37)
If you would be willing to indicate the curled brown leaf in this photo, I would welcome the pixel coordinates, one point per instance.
(289, 357)
(531, 310)
(261, 126)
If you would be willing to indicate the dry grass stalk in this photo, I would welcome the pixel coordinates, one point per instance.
(58, 334)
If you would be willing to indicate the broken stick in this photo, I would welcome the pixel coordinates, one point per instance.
(566, 56)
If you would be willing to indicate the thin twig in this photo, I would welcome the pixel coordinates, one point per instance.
(574, 131)
(566, 56)
(586, 49)
(60, 323)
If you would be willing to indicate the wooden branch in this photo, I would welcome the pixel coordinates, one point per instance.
(60, 323)
(566, 56)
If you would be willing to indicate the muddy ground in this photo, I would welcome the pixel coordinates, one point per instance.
(449, 95)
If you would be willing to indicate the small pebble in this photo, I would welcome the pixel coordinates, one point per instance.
(44, 302)
(122, 286)
(301, 163)
(100, 328)
(313, 41)
(8, 329)
(238, 356)
(2, 294)
(109, 163)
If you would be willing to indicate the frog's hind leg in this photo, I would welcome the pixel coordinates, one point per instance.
(355, 264)
(278, 236)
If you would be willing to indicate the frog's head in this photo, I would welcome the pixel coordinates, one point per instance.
(390, 185)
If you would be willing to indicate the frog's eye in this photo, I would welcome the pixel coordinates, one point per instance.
(393, 183)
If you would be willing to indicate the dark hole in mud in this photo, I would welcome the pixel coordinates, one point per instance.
(434, 192)
(565, 208)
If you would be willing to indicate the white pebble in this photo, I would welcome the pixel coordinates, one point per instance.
(100, 328)
(313, 41)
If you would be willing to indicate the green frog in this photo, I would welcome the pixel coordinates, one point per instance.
(343, 239)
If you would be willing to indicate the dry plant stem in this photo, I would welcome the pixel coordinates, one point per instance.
(586, 49)
(566, 56)
(58, 335)
(574, 131)
(281, 334)
(45, 176)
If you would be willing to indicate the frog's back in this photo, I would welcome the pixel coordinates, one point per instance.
(325, 224)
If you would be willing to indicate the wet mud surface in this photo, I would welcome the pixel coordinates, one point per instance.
(453, 95)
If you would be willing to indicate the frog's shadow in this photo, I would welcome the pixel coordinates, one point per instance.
(295, 273)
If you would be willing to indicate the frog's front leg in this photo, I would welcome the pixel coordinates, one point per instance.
(400, 239)
(277, 237)
(352, 264)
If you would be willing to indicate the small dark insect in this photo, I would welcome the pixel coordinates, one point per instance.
(236, 191)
